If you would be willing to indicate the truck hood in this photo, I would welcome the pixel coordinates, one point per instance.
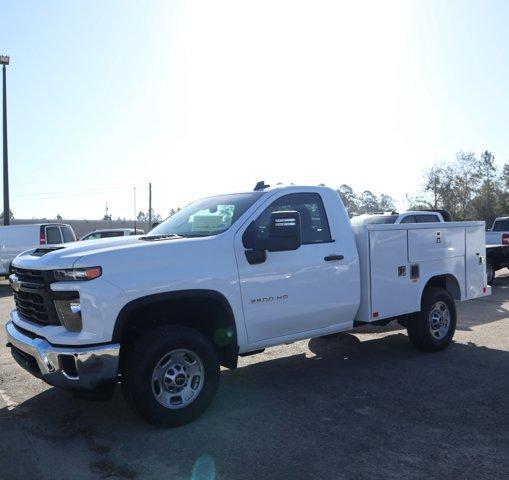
(66, 255)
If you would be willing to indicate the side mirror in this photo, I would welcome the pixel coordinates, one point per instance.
(256, 249)
(284, 231)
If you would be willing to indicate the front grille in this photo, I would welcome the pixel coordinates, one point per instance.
(33, 277)
(32, 306)
(34, 299)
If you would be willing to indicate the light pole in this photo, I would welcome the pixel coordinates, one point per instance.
(4, 60)
(149, 207)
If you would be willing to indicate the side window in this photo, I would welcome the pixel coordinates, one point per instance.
(501, 226)
(426, 218)
(313, 219)
(91, 236)
(408, 219)
(53, 235)
(68, 234)
(111, 234)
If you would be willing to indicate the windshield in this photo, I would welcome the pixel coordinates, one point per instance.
(209, 216)
(373, 219)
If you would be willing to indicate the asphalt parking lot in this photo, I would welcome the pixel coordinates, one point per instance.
(363, 405)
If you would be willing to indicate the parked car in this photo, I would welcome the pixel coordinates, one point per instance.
(112, 232)
(228, 276)
(15, 239)
(419, 216)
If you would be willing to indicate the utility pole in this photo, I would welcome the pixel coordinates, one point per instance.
(4, 60)
(106, 215)
(134, 209)
(149, 206)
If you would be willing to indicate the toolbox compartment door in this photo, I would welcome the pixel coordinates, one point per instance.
(392, 290)
(475, 261)
(425, 244)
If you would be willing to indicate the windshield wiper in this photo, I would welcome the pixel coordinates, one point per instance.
(163, 236)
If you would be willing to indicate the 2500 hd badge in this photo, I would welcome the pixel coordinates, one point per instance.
(269, 299)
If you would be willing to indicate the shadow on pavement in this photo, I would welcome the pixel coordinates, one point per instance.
(349, 409)
(480, 311)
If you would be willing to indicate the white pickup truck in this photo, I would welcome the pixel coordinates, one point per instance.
(411, 216)
(498, 234)
(497, 247)
(228, 276)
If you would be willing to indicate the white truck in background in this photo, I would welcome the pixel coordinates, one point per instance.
(498, 234)
(395, 218)
(15, 239)
(228, 276)
(497, 247)
(111, 233)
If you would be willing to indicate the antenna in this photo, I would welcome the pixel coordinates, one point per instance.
(260, 186)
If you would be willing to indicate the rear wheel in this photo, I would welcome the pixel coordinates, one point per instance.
(171, 376)
(433, 327)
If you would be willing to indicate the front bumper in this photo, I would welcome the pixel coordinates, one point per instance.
(74, 368)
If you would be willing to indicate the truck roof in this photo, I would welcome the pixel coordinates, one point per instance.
(115, 230)
(35, 224)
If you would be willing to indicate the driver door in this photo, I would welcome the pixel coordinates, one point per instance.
(297, 291)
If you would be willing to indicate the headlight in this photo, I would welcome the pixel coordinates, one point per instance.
(78, 274)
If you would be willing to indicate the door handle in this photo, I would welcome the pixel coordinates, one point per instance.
(331, 258)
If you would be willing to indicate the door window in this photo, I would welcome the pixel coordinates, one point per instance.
(408, 219)
(313, 219)
(501, 226)
(426, 218)
(91, 236)
(53, 235)
(68, 234)
(111, 234)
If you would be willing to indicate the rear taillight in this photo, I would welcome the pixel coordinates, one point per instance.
(42, 237)
(505, 239)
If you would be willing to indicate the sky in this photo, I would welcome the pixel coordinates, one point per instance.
(201, 97)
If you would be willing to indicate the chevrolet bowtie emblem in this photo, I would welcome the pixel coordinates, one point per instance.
(15, 283)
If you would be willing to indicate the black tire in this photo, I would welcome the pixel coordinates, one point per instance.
(140, 364)
(420, 331)
(490, 273)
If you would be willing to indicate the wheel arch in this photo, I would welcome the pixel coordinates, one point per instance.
(447, 282)
(208, 311)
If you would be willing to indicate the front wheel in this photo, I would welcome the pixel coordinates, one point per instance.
(171, 376)
(433, 327)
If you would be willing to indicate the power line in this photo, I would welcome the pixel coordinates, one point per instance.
(96, 191)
